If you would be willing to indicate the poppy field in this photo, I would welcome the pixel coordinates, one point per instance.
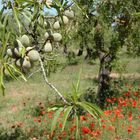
(27, 117)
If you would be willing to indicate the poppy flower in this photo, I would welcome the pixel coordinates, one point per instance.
(130, 117)
(83, 118)
(85, 130)
(129, 130)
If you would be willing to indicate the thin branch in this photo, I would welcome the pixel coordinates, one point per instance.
(34, 73)
(49, 84)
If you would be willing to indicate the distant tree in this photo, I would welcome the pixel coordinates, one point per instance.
(115, 25)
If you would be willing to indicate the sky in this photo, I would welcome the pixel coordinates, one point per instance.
(51, 11)
(0, 4)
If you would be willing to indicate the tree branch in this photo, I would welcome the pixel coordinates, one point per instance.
(49, 84)
(34, 73)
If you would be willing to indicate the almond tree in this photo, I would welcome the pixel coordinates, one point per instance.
(114, 24)
(28, 36)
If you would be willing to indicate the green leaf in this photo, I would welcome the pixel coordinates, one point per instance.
(94, 107)
(66, 114)
(137, 14)
(35, 14)
(6, 16)
(95, 113)
(17, 71)
(78, 81)
(26, 17)
(5, 45)
(1, 80)
(58, 3)
(77, 128)
(97, 109)
(56, 116)
(1, 11)
(75, 93)
(80, 8)
(10, 71)
(17, 20)
(23, 51)
(27, 1)
(52, 109)
(55, 107)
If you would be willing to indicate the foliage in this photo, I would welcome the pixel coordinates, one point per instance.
(73, 109)
(71, 58)
(23, 17)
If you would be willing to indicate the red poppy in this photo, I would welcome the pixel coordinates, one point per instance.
(43, 112)
(103, 126)
(50, 115)
(64, 133)
(114, 98)
(136, 94)
(130, 117)
(39, 120)
(109, 100)
(138, 135)
(89, 115)
(85, 130)
(130, 129)
(92, 125)
(111, 128)
(134, 103)
(60, 125)
(96, 133)
(107, 112)
(35, 119)
(123, 125)
(73, 128)
(83, 118)
(138, 128)
(127, 94)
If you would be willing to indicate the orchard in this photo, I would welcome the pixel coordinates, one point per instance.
(69, 70)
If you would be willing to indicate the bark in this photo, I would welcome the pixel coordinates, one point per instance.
(65, 49)
(104, 80)
(89, 53)
(81, 50)
(50, 84)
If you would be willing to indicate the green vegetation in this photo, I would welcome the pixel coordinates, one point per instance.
(73, 75)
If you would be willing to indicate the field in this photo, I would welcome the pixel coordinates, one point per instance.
(23, 108)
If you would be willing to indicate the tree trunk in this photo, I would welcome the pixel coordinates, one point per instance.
(65, 50)
(89, 53)
(81, 50)
(104, 80)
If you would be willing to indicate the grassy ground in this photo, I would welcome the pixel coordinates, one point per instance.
(21, 97)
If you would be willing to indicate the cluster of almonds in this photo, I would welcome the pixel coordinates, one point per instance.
(22, 53)
(24, 56)
(68, 14)
(57, 37)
